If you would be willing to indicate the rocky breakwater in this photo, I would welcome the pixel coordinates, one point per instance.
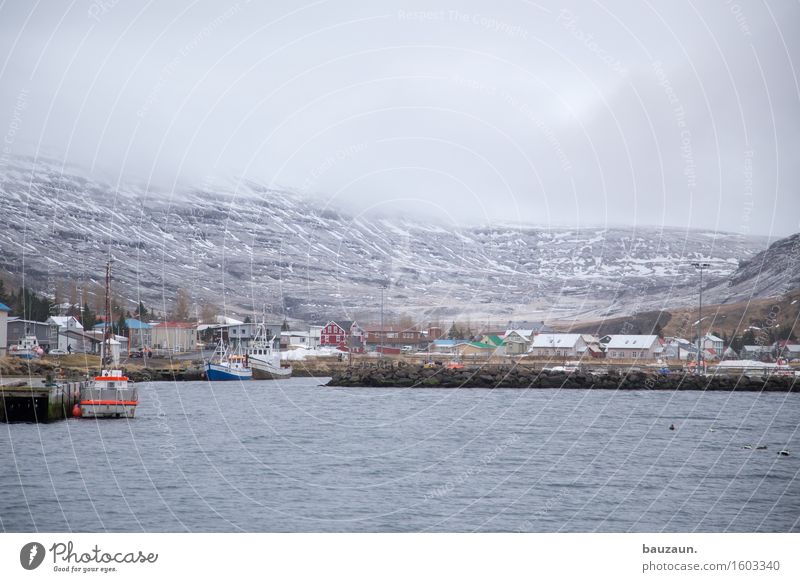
(521, 377)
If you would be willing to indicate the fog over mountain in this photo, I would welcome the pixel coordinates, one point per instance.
(576, 115)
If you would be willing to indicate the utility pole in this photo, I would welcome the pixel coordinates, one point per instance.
(700, 267)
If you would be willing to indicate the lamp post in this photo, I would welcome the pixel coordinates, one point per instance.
(380, 339)
(700, 267)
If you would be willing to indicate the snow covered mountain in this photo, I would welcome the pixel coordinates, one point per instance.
(773, 272)
(253, 246)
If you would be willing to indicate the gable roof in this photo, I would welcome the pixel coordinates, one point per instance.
(523, 333)
(63, 320)
(4, 307)
(555, 340)
(712, 337)
(346, 324)
(621, 342)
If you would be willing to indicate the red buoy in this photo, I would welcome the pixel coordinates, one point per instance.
(76, 411)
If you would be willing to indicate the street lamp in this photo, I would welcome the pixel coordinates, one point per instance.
(700, 267)
(380, 339)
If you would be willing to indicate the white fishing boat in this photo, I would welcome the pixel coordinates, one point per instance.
(111, 394)
(264, 357)
(26, 348)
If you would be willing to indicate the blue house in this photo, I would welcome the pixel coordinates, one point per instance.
(140, 334)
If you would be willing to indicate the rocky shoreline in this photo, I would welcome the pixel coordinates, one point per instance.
(521, 377)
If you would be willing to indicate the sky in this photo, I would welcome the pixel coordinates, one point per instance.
(577, 113)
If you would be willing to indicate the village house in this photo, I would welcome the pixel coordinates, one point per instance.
(444, 346)
(569, 345)
(63, 324)
(394, 337)
(174, 336)
(758, 353)
(634, 347)
(140, 334)
(343, 335)
(713, 346)
(4, 311)
(593, 349)
(78, 341)
(518, 341)
(677, 348)
(488, 347)
(302, 339)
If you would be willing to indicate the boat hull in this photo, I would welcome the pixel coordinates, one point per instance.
(115, 409)
(108, 402)
(218, 373)
(264, 371)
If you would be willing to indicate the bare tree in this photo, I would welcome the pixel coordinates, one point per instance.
(180, 310)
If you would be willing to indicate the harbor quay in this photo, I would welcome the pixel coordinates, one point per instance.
(38, 400)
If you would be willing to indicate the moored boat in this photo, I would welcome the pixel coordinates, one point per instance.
(224, 365)
(264, 357)
(111, 395)
(26, 348)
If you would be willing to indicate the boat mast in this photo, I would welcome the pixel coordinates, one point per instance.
(105, 357)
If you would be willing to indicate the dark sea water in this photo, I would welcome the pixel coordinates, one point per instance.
(294, 456)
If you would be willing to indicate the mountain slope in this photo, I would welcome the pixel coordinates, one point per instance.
(242, 249)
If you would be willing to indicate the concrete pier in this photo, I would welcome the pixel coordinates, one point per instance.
(39, 403)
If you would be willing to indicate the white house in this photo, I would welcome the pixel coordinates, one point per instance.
(712, 342)
(64, 324)
(636, 347)
(4, 310)
(305, 339)
(558, 344)
(174, 336)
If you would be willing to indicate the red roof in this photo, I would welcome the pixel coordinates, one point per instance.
(179, 324)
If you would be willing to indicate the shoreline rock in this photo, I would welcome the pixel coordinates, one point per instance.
(519, 377)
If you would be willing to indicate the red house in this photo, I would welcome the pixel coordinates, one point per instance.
(344, 335)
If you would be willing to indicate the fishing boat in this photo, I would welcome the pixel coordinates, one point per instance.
(264, 357)
(26, 348)
(111, 394)
(228, 364)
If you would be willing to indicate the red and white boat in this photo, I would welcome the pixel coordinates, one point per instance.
(111, 395)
